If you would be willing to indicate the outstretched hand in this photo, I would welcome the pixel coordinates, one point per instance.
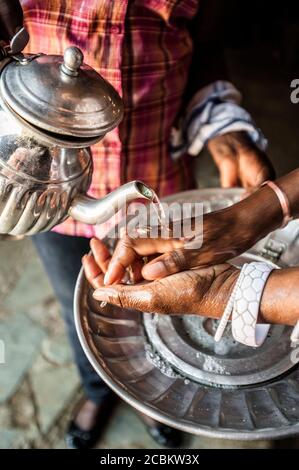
(200, 291)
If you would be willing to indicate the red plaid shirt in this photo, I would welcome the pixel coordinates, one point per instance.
(143, 47)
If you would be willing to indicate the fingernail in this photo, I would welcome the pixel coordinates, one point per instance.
(107, 278)
(104, 294)
(187, 238)
(154, 270)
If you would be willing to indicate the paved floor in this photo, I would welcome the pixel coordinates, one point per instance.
(38, 381)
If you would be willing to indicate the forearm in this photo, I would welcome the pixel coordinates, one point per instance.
(280, 299)
(261, 212)
(290, 185)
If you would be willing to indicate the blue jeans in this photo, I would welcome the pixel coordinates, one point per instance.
(61, 256)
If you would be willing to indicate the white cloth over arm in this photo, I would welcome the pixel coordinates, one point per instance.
(214, 110)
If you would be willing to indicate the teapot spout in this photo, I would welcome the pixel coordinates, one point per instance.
(96, 211)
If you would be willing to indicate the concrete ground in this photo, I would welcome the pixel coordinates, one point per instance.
(38, 382)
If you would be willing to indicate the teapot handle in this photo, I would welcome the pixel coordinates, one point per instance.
(12, 31)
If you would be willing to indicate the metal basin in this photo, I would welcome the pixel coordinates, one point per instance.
(171, 369)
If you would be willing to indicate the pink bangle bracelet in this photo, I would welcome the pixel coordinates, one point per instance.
(283, 200)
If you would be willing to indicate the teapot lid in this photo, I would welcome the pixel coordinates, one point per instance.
(61, 94)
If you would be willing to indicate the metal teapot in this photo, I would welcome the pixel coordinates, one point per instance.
(52, 108)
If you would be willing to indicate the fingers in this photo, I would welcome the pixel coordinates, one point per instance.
(183, 259)
(101, 254)
(202, 291)
(136, 271)
(141, 297)
(100, 261)
(163, 296)
(254, 168)
(225, 159)
(240, 161)
(93, 272)
(95, 263)
(169, 263)
(129, 250)
(228, 169)
(124, 256)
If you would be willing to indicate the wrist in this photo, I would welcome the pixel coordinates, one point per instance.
(257, 215)
(280, 299)
(223, 281)
(289, 184)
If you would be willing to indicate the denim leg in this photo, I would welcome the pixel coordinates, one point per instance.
(61, 256)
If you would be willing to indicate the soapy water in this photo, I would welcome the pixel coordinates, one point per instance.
(152, 356)
(201, 334)
(201, 331)
(211, 365)
(155, 359)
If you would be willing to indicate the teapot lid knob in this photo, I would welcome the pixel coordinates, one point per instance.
(72, 61)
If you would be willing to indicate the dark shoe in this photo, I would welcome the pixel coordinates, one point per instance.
(165, 435)
(78, 438)
(162, 434)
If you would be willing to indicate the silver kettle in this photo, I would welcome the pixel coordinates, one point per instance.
(52, 108)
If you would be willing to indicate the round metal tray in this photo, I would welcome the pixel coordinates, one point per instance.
(170, 368)
(186, 344)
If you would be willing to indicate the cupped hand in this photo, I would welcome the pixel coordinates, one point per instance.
(200, 291)
(96, 264)
(240, 162)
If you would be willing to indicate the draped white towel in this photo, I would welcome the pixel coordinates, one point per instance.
(214, 110)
